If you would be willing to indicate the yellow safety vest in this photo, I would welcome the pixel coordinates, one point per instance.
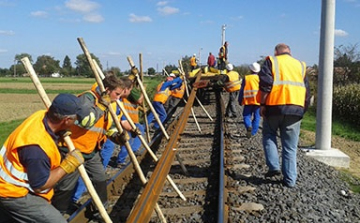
(288, 86)
(193, 61)
(179, 92)
(234, 83)
(13, 175)
(251, 89)
(161, 96)
(132, 109)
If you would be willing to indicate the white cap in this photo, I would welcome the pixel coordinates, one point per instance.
(254, 67)
(194, 55)
(172, 75)
(229, 66)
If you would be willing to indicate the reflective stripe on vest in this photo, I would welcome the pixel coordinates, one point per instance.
(251, 89)
(179, 93)
(288, 86)
(132, 109)
(162, 96)
(234, 83)
(13, 175)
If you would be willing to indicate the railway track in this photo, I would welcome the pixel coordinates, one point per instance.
(206, 152)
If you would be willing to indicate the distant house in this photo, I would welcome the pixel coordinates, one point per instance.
(55, 75)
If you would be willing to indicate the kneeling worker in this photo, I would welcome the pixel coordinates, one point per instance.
(31, 164)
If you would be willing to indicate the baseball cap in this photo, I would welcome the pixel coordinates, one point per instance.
(68, 104)
(229, 66)
(172, 75)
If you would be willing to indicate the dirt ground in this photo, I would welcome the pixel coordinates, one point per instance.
(350, 148)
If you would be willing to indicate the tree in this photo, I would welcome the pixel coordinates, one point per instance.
(18, 57)
(46, 65)
(67, 69)
(169, 68)
(151, 71)
(83, 67)
(346, 64)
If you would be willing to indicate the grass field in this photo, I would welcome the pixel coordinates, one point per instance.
(19, 97)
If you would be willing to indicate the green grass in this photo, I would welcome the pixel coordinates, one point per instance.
(7, 128)
(339, 127)
(34, 91)
(75, 80)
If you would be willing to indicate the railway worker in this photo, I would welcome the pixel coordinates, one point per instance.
(109, 146)
(232, 85)
(211, 60)
(285, 96)
(175, 96)
(248, 97)
(131, 104)
(162, 94)
(89, 141)
(31, 163)
(223, 56)
(193, 62)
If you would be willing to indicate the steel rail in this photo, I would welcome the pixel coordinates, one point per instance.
(145, 205)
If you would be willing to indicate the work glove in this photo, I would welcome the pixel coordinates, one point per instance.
(135, 132)
(118, 138)
(72, 161)
(134, 70)
(104, 101)
(87, 121)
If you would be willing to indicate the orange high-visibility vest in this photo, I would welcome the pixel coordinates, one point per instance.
(179, 92)
(234, 83)
(251, 89)
(193, 61)
(161, 96)
(132, 109)
(288, 86)
(13, 175)
(87, 140)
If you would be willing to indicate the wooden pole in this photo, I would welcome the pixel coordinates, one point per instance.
(67, 140)
(143, 103)
(148, 100)
(118, 126)
(143, 141)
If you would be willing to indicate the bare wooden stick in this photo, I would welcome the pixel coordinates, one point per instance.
(67, 140)
(143, 103)
(133, 126)
(118, 126)
(148, 100)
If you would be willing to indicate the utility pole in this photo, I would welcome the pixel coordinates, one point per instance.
(200, 57)
(223, 34)
(15, 67)
(325, 84)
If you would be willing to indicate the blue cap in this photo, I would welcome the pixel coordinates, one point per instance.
(68, 104)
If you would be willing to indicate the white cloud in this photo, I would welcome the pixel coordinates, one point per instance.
(339, 32)
(83, 6)
(41, 14)
(161, 3)
(94, 18)
(167, 10)
(3, 51)
(7, 32)
(136, 19)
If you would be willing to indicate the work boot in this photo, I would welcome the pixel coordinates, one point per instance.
(272, 173)
(248, 132)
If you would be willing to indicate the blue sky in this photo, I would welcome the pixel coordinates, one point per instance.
(165, 31)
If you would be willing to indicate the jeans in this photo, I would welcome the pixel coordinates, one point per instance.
(160, 110)
(251, 114)
(134, 142)
(289, 126)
